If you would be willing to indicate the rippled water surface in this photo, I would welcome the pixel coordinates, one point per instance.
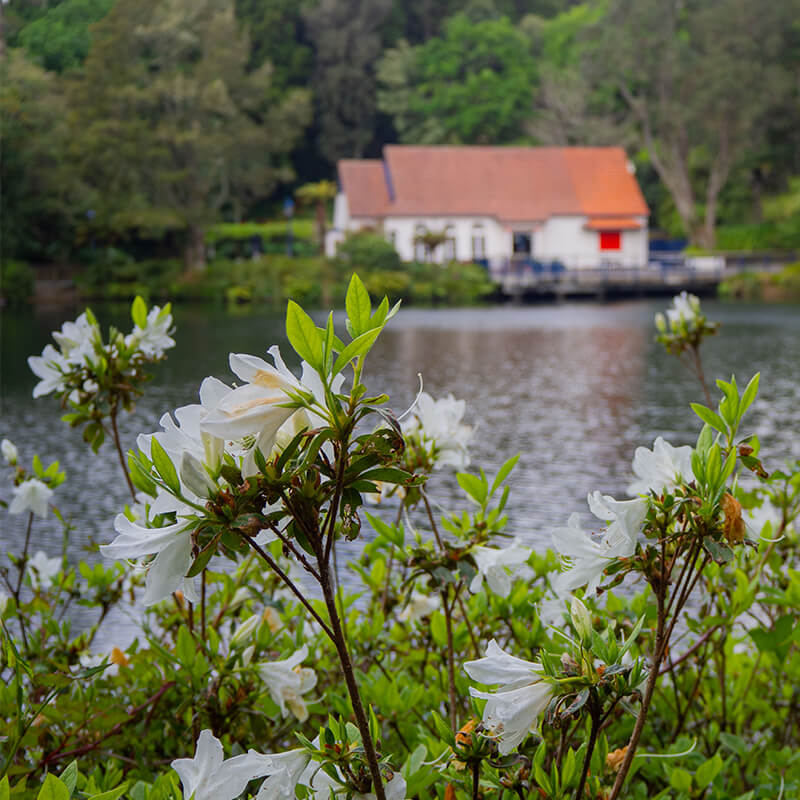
(574, 388)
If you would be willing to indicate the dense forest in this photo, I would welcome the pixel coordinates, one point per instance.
(143, 122)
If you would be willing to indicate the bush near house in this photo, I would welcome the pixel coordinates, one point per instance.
(781, 286)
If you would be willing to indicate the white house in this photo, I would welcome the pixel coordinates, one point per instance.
(580, 206)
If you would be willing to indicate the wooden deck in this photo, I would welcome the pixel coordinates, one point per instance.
(522, 278)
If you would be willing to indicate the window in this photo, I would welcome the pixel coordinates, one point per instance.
(522, 243)
(478, 242)
(610, 240)
(449, 249)
(393, 238)
(419, 245)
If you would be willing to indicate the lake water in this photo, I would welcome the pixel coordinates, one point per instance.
(574, 388)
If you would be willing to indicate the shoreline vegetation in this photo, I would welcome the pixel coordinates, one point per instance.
(249, 263)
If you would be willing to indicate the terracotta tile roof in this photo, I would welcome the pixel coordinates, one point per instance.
(364, 183)
(509, 183)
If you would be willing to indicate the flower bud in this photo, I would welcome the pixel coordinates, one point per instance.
(661, 323)
(245, 630)
(581, 619)
(9, 450)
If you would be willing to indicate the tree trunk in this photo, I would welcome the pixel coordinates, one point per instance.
(194, 254)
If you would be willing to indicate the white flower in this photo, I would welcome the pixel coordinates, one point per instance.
(418, 606)
(499, 567)
(184, 434)
(31, 495)
(90, 660)
(154, 338)
(49, 367)
(9, 450)
(287, 681)
(288, 769)
(77, 340)
(685, 308)
(512, 710)
(43, 570)
(661, 469)
(322, 784)
(171, 545)
(296, 768)
(587, 557)
(254, 409)
(439, 422)
(4, 598)
(208, 777)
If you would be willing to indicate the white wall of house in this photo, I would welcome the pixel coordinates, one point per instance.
(496, 239)
(563, 238)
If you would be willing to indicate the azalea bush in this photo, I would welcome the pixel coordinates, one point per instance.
(653, 655)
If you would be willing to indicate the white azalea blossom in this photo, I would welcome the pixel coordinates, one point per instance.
(587, 556)
(184, 433)
(661, 469)
(154, 338)
(49, 367)
(685, 308)
(208, 776)
(418, 606)
(288, 768)
(32, 495)
(522, 696)
(77, 340)
(499, 567)
(439, 422)
(296, 768)
(287, 682)
(42, 569)
(9, 450)
(171, 545)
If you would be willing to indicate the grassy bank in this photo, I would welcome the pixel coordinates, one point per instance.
(273, 279)
(783, 286)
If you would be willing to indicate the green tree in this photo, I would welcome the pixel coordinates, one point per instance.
(173, 130)
(696, 78)
(42, 199)
(471, 86)
(275, 30)
(60, 39)
(347, 44)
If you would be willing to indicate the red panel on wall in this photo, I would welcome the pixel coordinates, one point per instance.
(609, 240)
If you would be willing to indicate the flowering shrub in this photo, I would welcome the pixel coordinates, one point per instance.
(644, 660)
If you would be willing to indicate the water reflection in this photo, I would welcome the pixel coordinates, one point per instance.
(574, 388)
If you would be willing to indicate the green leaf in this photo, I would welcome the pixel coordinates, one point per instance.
(386, 474)
(750, 393)
(5, 789)
(53, 789)
(69, 776)
(139, 312)
(680, 779)
(111, 794)
(504, 472)
(203, 557)
(708, 770)
(165, 467)
(359, 307)
(184, 647)
(303, 335)
(358, 347)
(719, 551)
(733, 743)
(709, 417)
(474, 486)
